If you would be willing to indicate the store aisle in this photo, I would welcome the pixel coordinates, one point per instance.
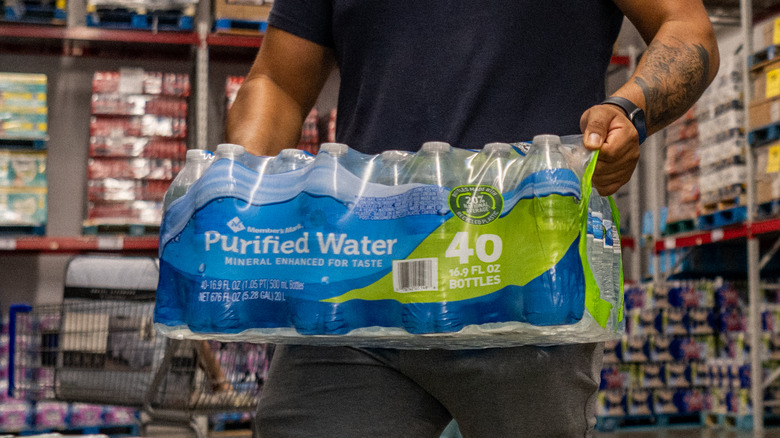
(676, 432)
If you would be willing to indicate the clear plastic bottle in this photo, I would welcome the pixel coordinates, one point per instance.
(590, 234)
(230, 151)
(335, 150)
(287, 160)
(597, 254)
(601, 254)
(198, 160)
(388, 168)
(435, 163)
(553, 187)
(607, 259)
(489, 166)
(331, 155)
(617, 285)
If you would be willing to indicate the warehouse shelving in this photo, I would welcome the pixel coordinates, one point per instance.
(698, 238)
(75, 245)
(83, 33)
(757, 234)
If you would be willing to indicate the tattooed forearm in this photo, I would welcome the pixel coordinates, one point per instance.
(672, 78)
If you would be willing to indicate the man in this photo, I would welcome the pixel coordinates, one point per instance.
(467, 73)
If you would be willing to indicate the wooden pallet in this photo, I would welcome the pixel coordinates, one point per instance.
(765, 55)
(678, 227)
(722, 218)
(628, 422)
(239, 27)
(91, 229)
(114, 431)
(8, 143)
(764, 134)
(121, 18)
(30, 230)
(768, 209)
(33, 11)
(727, 421)
(720, 205)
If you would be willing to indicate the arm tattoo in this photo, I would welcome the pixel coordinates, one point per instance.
(673, 78)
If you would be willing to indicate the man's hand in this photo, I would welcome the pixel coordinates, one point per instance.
(607, 129)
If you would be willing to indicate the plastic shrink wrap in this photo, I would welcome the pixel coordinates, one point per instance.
(443, 248)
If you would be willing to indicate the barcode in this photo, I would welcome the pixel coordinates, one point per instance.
(415, 275)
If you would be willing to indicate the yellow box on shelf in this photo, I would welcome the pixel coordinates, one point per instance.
(25, 206)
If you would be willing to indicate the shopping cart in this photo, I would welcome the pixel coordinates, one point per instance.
(106, 351)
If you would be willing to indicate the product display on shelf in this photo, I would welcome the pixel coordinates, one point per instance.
(705, 157)
(684, 352)
(397, 249)
(764, 137)
(23, 107)
(722, 148)
(23, 136)
(153, 15)
(36, 11)
(242, 17)
(137, 145)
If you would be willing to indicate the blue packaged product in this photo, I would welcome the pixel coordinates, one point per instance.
(446, 248)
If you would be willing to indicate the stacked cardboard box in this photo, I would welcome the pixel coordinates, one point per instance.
(723, 173)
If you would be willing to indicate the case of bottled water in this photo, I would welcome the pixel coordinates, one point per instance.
(442, 248)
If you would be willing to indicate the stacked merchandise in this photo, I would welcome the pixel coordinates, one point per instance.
(138, 133)
(722, 169)
(23, 108)
(39, 11)
(705, 157)
(23, 136)
(310, 135)
(247, 17)
(764, 118)
(730, 372)
(682, 173)
(686, 351)
(659, 368)
(154, 15)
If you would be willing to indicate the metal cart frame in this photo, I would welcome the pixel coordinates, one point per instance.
(105, 350)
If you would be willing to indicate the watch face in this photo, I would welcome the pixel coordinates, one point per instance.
(638, 119)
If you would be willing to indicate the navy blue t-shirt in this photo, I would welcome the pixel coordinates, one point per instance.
(464, 72)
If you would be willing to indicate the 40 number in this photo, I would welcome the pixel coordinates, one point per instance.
(460, 247)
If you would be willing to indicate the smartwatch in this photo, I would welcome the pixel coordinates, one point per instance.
(633, 112)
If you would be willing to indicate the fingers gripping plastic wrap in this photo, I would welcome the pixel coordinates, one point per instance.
(443, 248)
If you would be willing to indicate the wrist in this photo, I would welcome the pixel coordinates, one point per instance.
(634, 114)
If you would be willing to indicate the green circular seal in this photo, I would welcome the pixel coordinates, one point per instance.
(476, 204)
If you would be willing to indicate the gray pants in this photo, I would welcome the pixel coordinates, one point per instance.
(347, 392)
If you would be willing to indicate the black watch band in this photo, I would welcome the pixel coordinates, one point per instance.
(633, 112)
